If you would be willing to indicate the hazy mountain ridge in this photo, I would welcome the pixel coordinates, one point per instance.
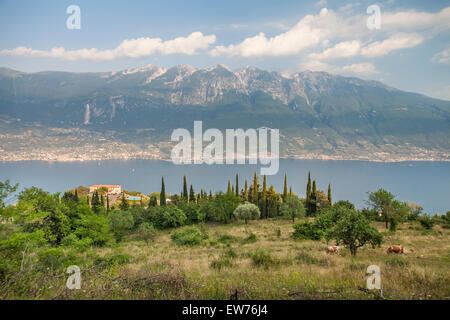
(316, 112)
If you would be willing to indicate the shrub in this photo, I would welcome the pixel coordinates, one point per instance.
(69, 240)
(221, 262)
(307, 231)
(189, 236)
(120, 221)
(426, 222)
(167, 217)
(251, 238)
(226, 238)
(95, 227)
(147, 231)
(247, 211)
(292, 208)
(262, 258)
(51, 258)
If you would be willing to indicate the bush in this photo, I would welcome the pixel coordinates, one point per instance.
(167, 217)
(226, 238)
(189, 236)
(292, 208)
(147, 231)
(120, 222)
(247, 211)
(51, 258)
(96, 228)
(221, 262)
(251, 238)
(426, 222)
(307, 231)
(262, 258)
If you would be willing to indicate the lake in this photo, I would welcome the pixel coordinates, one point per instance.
(426, 183)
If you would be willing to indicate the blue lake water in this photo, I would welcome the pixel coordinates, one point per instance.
(426, 183)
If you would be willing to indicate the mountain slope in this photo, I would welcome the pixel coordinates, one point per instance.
(318, 114)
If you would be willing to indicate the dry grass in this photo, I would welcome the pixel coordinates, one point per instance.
(299, 269)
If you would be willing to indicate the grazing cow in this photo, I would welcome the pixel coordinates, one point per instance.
(395, 249)
(332, 249)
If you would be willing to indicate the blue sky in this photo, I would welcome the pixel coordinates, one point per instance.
(410, 51)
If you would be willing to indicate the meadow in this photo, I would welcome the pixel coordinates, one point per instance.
(259, 260)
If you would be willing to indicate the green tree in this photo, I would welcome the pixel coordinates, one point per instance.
(120, 222)
(285, 192)
(353, 229)
(246, 191)
(185, 190)
(292, 208)
(162, 195)
(308, 186)
(382, 200)
(237, 185)
(229, 186)
(6, 190)
(191, 194)
(124, 205)
(247, 211)
(255, 190)
(329, 195)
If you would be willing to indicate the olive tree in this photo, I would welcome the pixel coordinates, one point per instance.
(353, 230)
(292, 208)
(247, 211)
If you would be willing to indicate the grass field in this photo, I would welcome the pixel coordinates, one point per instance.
(269, 266)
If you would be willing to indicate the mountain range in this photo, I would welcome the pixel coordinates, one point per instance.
(131, 113)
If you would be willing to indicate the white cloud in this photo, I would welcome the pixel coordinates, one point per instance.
(364, 68)
(396, 42)
(442, 57)
(128, 48)
(414, 20)
(360, 68)
(322, 3)
(307, 33)
(341, 50)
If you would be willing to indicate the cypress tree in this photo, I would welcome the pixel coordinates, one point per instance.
(102, 201)
(87, 198)
(210, 194)
(237, 185)
(229, 187)
(308, 187)
(232, 189)
(290, 191)
(107, 203)
(124, 203)
(246, 191)
(255, 189)
(185, 190)
(329, 194)
(76, 195)
(264, 199)
(162, 196)
(314, 199)
(191, 194)
(285, 192)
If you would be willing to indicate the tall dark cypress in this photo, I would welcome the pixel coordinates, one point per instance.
(229, 187)
(314, 199)
(264, 198)
(76, 195)
(329, 194)
(185, 190)
(191, 194)
(246, 191)
(290, 192)
(162, 196)
(107, 203)
(285, 192)
(308, 187)
(237, 185)
(255, 189)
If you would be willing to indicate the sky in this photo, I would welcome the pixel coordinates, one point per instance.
(406, 45)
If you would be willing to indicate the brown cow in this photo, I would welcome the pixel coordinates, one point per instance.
(332, 249)
(395, 249)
